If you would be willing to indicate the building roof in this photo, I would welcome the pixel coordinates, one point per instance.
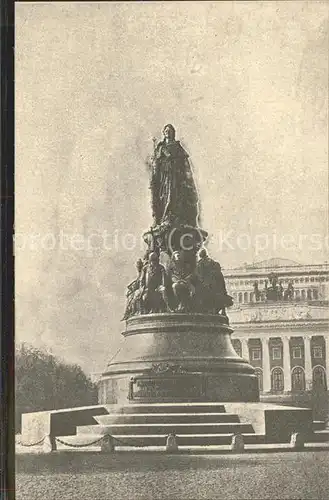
(282, 267)
(274, 262)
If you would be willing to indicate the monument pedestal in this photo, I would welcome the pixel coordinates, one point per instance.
(176, 357)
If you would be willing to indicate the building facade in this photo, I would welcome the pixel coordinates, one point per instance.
(281, 325)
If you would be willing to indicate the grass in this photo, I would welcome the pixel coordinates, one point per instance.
(156, 476)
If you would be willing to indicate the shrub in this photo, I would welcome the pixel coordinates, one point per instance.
(44, 382)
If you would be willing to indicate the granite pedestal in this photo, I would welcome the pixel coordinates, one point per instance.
(174, 357)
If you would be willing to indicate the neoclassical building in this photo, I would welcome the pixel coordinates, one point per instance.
(285, 336)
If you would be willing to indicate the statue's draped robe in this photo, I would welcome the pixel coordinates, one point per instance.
(210, 275)
(212, 294)
(133, 297)
(153, 283)
(174, 195)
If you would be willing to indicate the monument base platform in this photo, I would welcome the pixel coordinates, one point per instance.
(178, 357)
(195, 424)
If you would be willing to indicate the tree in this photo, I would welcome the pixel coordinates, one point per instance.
(44, 382)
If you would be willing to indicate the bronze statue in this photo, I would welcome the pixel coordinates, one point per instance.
(153, 283)
(134, 293)
(280, 290)
(181, 279)
(183, 285)
(212, 296)
(273, 281)
(174, 195)
(257, 293)
(271, 291)
(275, 291)
(289, 292)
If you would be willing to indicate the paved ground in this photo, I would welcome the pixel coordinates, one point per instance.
(139, 476)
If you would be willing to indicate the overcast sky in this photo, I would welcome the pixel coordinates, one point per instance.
(246, 86)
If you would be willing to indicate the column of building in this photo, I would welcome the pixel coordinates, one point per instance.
(308, 362)
(286, 364)
(326, 340)
(266, 365)
(244, 349)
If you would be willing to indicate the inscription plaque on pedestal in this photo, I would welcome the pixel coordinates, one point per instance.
(162, 388)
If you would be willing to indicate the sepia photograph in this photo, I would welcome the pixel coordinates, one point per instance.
(171, 250)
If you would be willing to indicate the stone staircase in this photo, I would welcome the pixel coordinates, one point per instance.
(148, 425)
(319, 425)
(195, 425)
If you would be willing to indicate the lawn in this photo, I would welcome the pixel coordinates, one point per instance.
(153, 476)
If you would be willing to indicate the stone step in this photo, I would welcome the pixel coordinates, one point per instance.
(319, 425)
(321, 436)
(149, 418)
(196, 407)
(166, 428)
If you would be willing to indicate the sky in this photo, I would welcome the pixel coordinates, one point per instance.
(245, 85)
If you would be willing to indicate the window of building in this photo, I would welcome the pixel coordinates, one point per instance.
(317, 352)
(307, 279)
(319, 377)
(309, 294)
(256, 354)
(277, 380)
(298, 379)
(240, 297)
(296, 352)
(312, 279)
(315, 295)
(276, 353)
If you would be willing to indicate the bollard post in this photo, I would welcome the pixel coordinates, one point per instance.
(297, 441)
(49, 444)
(107, 444)
(53, 443)
(171, 443)
(237, 444)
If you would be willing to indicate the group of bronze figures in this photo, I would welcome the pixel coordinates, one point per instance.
(273, 290)
(177, 288)
(186, 284)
